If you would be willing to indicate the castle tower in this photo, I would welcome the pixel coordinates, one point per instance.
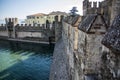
(58, 27)
(115, 9)
(11, 20)
(6, 20)
(95, 4)
(15, 21)
(106, 6)
(88, 8)
(11, 24)
(85, 7)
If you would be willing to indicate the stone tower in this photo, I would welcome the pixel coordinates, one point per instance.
(13, 21)
(58, 28)
(10, 24)
(115, 9)
(85, 6)
(106, 10)
(88, 8)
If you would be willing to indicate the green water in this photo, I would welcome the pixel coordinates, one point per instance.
(25, 61)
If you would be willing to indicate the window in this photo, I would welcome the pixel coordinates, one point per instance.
(48, 17)
(28, 17)
(33, 17)
(37, 17)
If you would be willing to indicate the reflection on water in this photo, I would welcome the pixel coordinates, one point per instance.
(24, 61)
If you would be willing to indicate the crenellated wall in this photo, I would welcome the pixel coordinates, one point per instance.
(19, 31)
(115, 9)
(91, 7)
(91, 43)
(85, 53)
(3, 30)
(105, 7)
(70, 40)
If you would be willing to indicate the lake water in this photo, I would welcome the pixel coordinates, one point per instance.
(25, 61)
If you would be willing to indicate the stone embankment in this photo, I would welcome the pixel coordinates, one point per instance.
(59, 68)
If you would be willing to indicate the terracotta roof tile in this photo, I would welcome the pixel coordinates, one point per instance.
(57, 13)
(38, 14)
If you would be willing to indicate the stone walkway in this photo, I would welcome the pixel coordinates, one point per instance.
(59, 65)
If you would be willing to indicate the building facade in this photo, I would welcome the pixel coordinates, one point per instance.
(42, 18)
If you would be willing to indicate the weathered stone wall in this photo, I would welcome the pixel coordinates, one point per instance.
(33, 31)
(110, 69)
(3, 30)
(59, 67)
(13, 30)
(87, 58)
(105, 7)
(70, 39)
(93, 53)
(115, 9)
(29, 34)
(79, 56)
(112, 58)
(4, 33)
(58, 30)
(84, 50)
(58, 27)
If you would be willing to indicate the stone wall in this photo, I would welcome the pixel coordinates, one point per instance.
(3, 30)
(105, 7)
(87, 58)
(13, 30)
(4, 33)
(68, 42)
(70, 39)
(85, 53)
(29, 34)
(112, 58)
(57, 25)
(115, 9)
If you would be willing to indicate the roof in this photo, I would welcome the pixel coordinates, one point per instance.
(87, 22)
(112, 37)
(38, 14)
(77, 21)
(57, 13)
(72, 19)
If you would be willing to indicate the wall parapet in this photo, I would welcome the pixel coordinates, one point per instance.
(3, 27)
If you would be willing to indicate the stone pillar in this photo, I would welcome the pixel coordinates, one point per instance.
(16, 20)
(9, 26)
(58, 29)
(85, 7)
(6, 22)
(115, 9)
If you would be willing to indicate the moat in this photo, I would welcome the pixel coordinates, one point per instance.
(25, 61)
